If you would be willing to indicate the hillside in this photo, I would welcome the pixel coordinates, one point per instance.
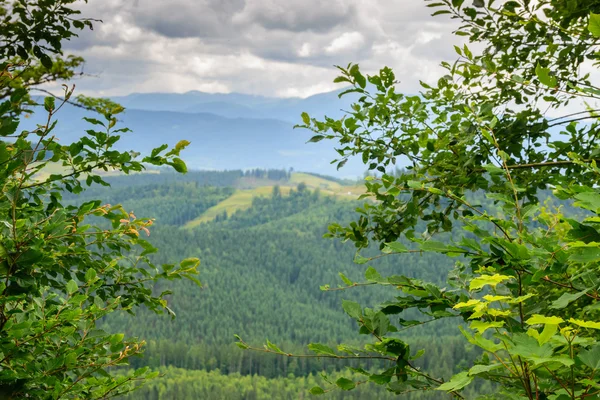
(261, 291)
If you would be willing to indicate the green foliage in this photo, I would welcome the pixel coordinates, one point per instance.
(60, 272)
(38, 27)
(526, 279)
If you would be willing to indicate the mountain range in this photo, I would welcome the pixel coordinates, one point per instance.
(226, 131)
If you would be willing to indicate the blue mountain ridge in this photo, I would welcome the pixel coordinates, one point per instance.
(240, 131)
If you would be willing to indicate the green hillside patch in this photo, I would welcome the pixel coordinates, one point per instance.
(239, 200)
(327, 186)
(313, 181)
(242, 198)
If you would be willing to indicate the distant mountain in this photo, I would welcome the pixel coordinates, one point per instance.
(236, 105)
(225, 109)
(234, 136)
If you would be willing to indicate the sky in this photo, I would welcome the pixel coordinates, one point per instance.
(279, 48)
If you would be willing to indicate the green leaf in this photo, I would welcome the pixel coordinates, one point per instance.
(566, 299)
(543, 75)
(520, 299)
(316, 139)
(488, 280)
(467, 304)
(566, 361)
(544, 337)
(482, 326)
(72, 286)
(273, 347)
(90, 275)
(71, 359)
(394, 247)
(585, 254)
(359, 78)
(525, 346)
(457, 382)
(317, 391)
(49, 104)
(547, 334)
(345, 384)
(480, 341)
(371, 274)
(141, 371)
(591, 357)
(156, 151)
(540, 319)
(341, 79)
(594, 24)
(585, 324)
(434, 245)
(116, 338)
(46, 61)
(358, 259)
(321, 349)
(305, 118)
(352, 308)
(182, 144)
(345, 279)
(179, 165)
(480, 369)
(189, 263)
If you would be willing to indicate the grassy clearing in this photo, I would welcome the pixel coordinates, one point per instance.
(240, 200)
(314, 182)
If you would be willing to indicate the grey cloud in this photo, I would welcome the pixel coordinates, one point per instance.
(269, 47)
(436, 49)
(185, 18)
(297, 15)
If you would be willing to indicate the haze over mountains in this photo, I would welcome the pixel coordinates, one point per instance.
(227, 131)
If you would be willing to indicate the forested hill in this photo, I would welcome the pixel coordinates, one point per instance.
(259, 237)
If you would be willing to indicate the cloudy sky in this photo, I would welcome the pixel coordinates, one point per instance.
(278, 48)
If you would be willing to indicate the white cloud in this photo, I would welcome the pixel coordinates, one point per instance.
(305, 50)
(345, 42)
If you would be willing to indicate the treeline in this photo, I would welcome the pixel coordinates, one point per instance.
(270, 174)
(334, 179)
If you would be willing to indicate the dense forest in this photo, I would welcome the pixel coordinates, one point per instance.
(261, 271)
